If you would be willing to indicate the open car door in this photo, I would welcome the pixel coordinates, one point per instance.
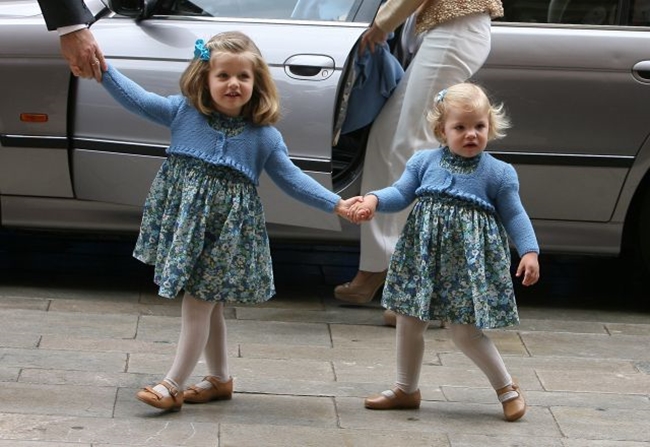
(306, 44)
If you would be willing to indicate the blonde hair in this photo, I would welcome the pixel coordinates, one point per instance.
(264, 105)
(468, 97)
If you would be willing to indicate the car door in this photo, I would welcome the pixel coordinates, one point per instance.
(574, 76)
(306, 44)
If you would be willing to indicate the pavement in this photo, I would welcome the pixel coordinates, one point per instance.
(76, 345)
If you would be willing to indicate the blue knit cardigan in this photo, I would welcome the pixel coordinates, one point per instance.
(256, 149)
(493, 186)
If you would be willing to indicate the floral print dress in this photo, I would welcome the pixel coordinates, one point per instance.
(204, 231)
(452, 261)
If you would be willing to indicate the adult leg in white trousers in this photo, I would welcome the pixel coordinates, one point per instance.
(449, 54)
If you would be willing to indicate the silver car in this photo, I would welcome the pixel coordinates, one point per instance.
(573, 74)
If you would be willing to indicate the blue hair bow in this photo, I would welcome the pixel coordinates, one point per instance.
(440, 96)
(201, 51)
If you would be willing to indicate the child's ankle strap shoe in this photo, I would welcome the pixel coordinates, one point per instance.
(218, 391)
(514, 405)
(173, 402)
(394, 399)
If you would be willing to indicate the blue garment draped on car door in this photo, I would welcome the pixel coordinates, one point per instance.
(376, 74)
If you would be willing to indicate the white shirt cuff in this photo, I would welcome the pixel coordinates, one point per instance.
(70, 29)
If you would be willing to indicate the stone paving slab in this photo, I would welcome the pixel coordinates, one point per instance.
(65, 400)
(9, 374)
(13, 443)
(243, 368)
(560, 380)
(277, 410)
(544, 398)
(462, 440)
(359, 390)
(22, 302)
(643, 367)
(279, 333)
(108, 306)
(125, 345)
(167, 329)
(150, 430)
(587, 345)
(582, 364)
(582, 314)
(597, 443)
(628, 329)
(603, 423)
(13, 340)
(448, 417)
(72, 287)
(333, 353)
(96, 325)
(72, 355)
(580, 327)
(82, 361)
(430, 375)
(235, 435)
(86, 378)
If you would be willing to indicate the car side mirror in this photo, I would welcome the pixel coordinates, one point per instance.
(139, 9)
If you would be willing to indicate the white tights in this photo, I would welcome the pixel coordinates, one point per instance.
(203, 329)
(469, 339)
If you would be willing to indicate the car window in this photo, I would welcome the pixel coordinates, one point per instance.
(581, 12)
(322, 10)
(640, 13)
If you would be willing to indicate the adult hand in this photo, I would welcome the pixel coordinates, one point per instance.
(83, 54)
(372, 37)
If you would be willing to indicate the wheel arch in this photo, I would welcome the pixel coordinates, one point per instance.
(634, 205)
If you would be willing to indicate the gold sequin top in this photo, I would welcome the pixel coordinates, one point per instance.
(432, 12)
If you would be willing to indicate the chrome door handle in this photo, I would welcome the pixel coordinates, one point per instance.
(312, 67)
(641, 71)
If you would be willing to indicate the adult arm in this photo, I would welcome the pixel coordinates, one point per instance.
(78, 46)
(59, 13)
(391, 15)
(395, 12)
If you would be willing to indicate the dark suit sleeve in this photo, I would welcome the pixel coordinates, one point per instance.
(58, 13)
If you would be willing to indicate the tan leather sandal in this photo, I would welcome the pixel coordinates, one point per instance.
(512, 399)
(394, 399)
(173, 402)
(218, 391)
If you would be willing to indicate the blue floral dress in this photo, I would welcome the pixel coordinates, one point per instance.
(452, 261)
(204, 231)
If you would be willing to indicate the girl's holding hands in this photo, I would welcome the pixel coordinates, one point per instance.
(452, 260)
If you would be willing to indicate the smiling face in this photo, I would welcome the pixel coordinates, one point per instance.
(231, 79)
(466, 131)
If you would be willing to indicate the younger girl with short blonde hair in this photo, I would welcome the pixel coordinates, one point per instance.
(452, 260)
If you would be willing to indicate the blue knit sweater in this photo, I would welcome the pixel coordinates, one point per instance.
(493, 186)
(256, 149)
